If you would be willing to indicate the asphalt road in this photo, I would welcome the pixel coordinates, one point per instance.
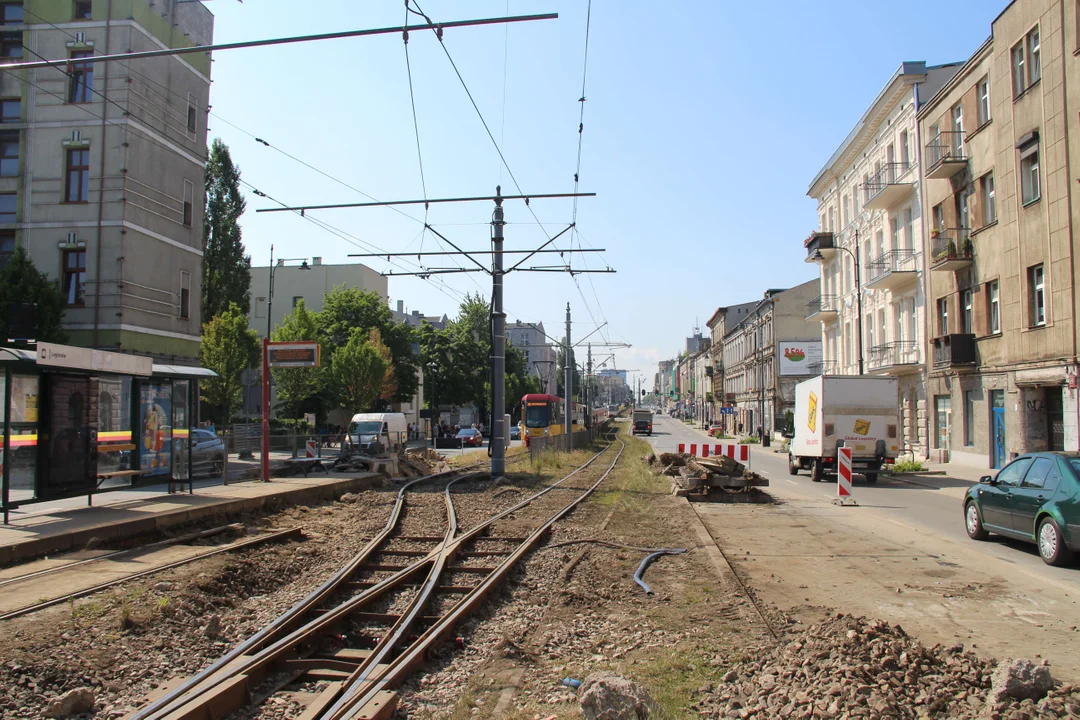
(929, 506)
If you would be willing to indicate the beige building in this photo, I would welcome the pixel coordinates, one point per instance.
(718, 325)
(101, 166)
(760, 371)
(999, 192)
(870, 239)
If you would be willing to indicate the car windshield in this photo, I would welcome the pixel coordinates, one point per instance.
(536, 416)
(365, 427)
(1075, 463)
(468, 432)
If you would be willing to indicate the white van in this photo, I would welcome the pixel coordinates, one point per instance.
(388, 430)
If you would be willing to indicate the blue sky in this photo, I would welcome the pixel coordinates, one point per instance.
(704, 124)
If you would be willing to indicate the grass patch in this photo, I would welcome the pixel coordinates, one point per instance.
(673, 675)
(902, 466)
(749, 440)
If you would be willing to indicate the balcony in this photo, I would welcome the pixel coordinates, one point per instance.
(893, 270)
(894, 358)
(820, 246)
(951, 249)
(954, 350)
(824, 367)
(892, 184)
(946, 155)
(824, 308)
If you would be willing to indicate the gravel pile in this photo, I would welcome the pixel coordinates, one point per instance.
(849, 667)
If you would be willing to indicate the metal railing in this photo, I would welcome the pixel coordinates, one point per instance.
(946, 146)
(951, 244)
(891, 354)
(822, 303)
(889, 174)
(890, 262)
(954, 349)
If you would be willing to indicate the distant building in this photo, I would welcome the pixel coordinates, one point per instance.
(721, 320)
(540, 361)
(612, 372)
(415, 318)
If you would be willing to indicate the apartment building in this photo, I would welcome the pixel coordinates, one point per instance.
(540, 361)
(718, 325)
(666, 384)
(767, 353)
(102, 165)
(999, 166)
(870, 245)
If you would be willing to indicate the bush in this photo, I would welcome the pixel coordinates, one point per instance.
(720, 435)
(908, 466)
(749, 440)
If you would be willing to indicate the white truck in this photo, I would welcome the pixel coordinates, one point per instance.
(860, 412)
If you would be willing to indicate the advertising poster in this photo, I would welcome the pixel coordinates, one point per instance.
(800, 357)
(155, 432)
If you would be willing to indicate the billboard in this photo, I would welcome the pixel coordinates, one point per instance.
(155, 423)
(293, 354)
(800, 357)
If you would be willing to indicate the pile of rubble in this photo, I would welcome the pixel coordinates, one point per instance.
(417, 462)
(849, 667)
(721, 475)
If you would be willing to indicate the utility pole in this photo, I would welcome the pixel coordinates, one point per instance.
(568, 373)
(498, 390)
(588, 386)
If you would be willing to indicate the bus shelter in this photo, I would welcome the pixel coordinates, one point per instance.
(77, 421)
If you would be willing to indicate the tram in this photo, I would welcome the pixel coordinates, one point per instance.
(543, 415)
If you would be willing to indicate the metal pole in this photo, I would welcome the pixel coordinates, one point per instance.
(270, 295)
(498, 390)
(568, 374)
(858, 299)
(761, 380)
(588, 387)
(265, 460)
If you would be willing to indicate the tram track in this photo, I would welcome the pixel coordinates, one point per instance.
(341, 651)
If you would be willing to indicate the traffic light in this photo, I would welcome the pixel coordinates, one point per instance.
(643, 393)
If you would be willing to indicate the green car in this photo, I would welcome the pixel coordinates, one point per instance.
(1035, 498)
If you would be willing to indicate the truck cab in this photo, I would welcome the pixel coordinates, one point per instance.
(641, 422)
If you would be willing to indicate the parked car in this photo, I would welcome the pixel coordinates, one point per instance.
(515, 432)
(207, 453)
(1035, 498)
(470, 437)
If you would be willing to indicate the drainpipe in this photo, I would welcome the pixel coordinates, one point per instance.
(927, 352)
(1069, 197)
(101, 181)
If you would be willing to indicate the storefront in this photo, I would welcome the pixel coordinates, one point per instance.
(78, 421)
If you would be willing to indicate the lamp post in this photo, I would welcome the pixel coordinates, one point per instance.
(270, 295)
(819, 258)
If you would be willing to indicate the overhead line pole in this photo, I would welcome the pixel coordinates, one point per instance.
(568, 374)
(498, 390)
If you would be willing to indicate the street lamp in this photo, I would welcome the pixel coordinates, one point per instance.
(819, 258)
(270, 295)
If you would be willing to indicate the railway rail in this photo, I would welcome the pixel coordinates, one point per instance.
(341, 652)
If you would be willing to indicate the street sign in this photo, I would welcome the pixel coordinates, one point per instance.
(293, 354)
(727, 411)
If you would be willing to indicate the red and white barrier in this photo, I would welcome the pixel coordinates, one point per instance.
(735, 452)
(843, 477)
(309, 448)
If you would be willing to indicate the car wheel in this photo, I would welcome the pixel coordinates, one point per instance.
(816, 471)
(1051, 546)
(871, 478)
(792, 468)
(973, 522)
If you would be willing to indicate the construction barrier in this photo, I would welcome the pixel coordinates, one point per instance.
(843, 477)
(735, 452)
(310, 448)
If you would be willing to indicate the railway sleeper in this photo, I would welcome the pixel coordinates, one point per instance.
(403, 553)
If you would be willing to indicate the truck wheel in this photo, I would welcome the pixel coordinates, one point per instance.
(871, 478)
(792, 466)
(816, 471)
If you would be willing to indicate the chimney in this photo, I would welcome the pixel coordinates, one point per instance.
(401, 306)
(316, 261)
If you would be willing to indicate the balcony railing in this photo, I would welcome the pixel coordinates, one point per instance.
(892, 269)
(822, 305)
(952, 350)
(951, 249)
(946, 154)
(889, 185)
(819, 242)
(894, 355)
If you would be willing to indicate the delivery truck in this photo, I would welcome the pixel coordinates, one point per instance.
(856, 411)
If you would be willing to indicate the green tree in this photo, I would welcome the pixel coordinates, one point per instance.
(359, 372)
(22, 283)
(226, 269)
(347, 309)
(299, 390)
(228, 348)
(388, 389)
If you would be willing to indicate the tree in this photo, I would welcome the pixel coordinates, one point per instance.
(22, 283)
(347, 309)
(299, 389)
(226, 269)
(228, 348)
(389, 384)
(359, 372)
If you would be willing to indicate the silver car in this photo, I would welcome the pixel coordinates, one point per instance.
(207, 453)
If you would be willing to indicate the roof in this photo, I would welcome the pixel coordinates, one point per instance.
(183, 371)
(540, 397)
(176, 371)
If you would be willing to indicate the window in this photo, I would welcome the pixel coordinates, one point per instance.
(81, 86)
(1034, 66)
(296, 300)
(986, 194)
(260, 307)
(11, 45)
(905, 152)
(8, 202)
(847, 212)
(957, 115)
(943, 316)
(993, 299)
(881, 325)
(983, 99)
(10, 111)
(189, 196)
(900, 321)
(938, 214)
(1012, 473)
(967, 315)
(74, 286)
(78, 175)
(191, 118)
(909, 229)
(1037, 294)
(870, 330)
(185, 294)
(1018, 70)
(1029, 174)
(9, 153)
(7, 246)
(894, 225)
(969, 417)
(83, 10)
(1036, 476)
(11, 13)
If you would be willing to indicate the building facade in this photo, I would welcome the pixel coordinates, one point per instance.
(102, 167)
(718, 324)
(758, 378)
(540, 360)
(871, 248)
(999, 157)
(665, 384)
